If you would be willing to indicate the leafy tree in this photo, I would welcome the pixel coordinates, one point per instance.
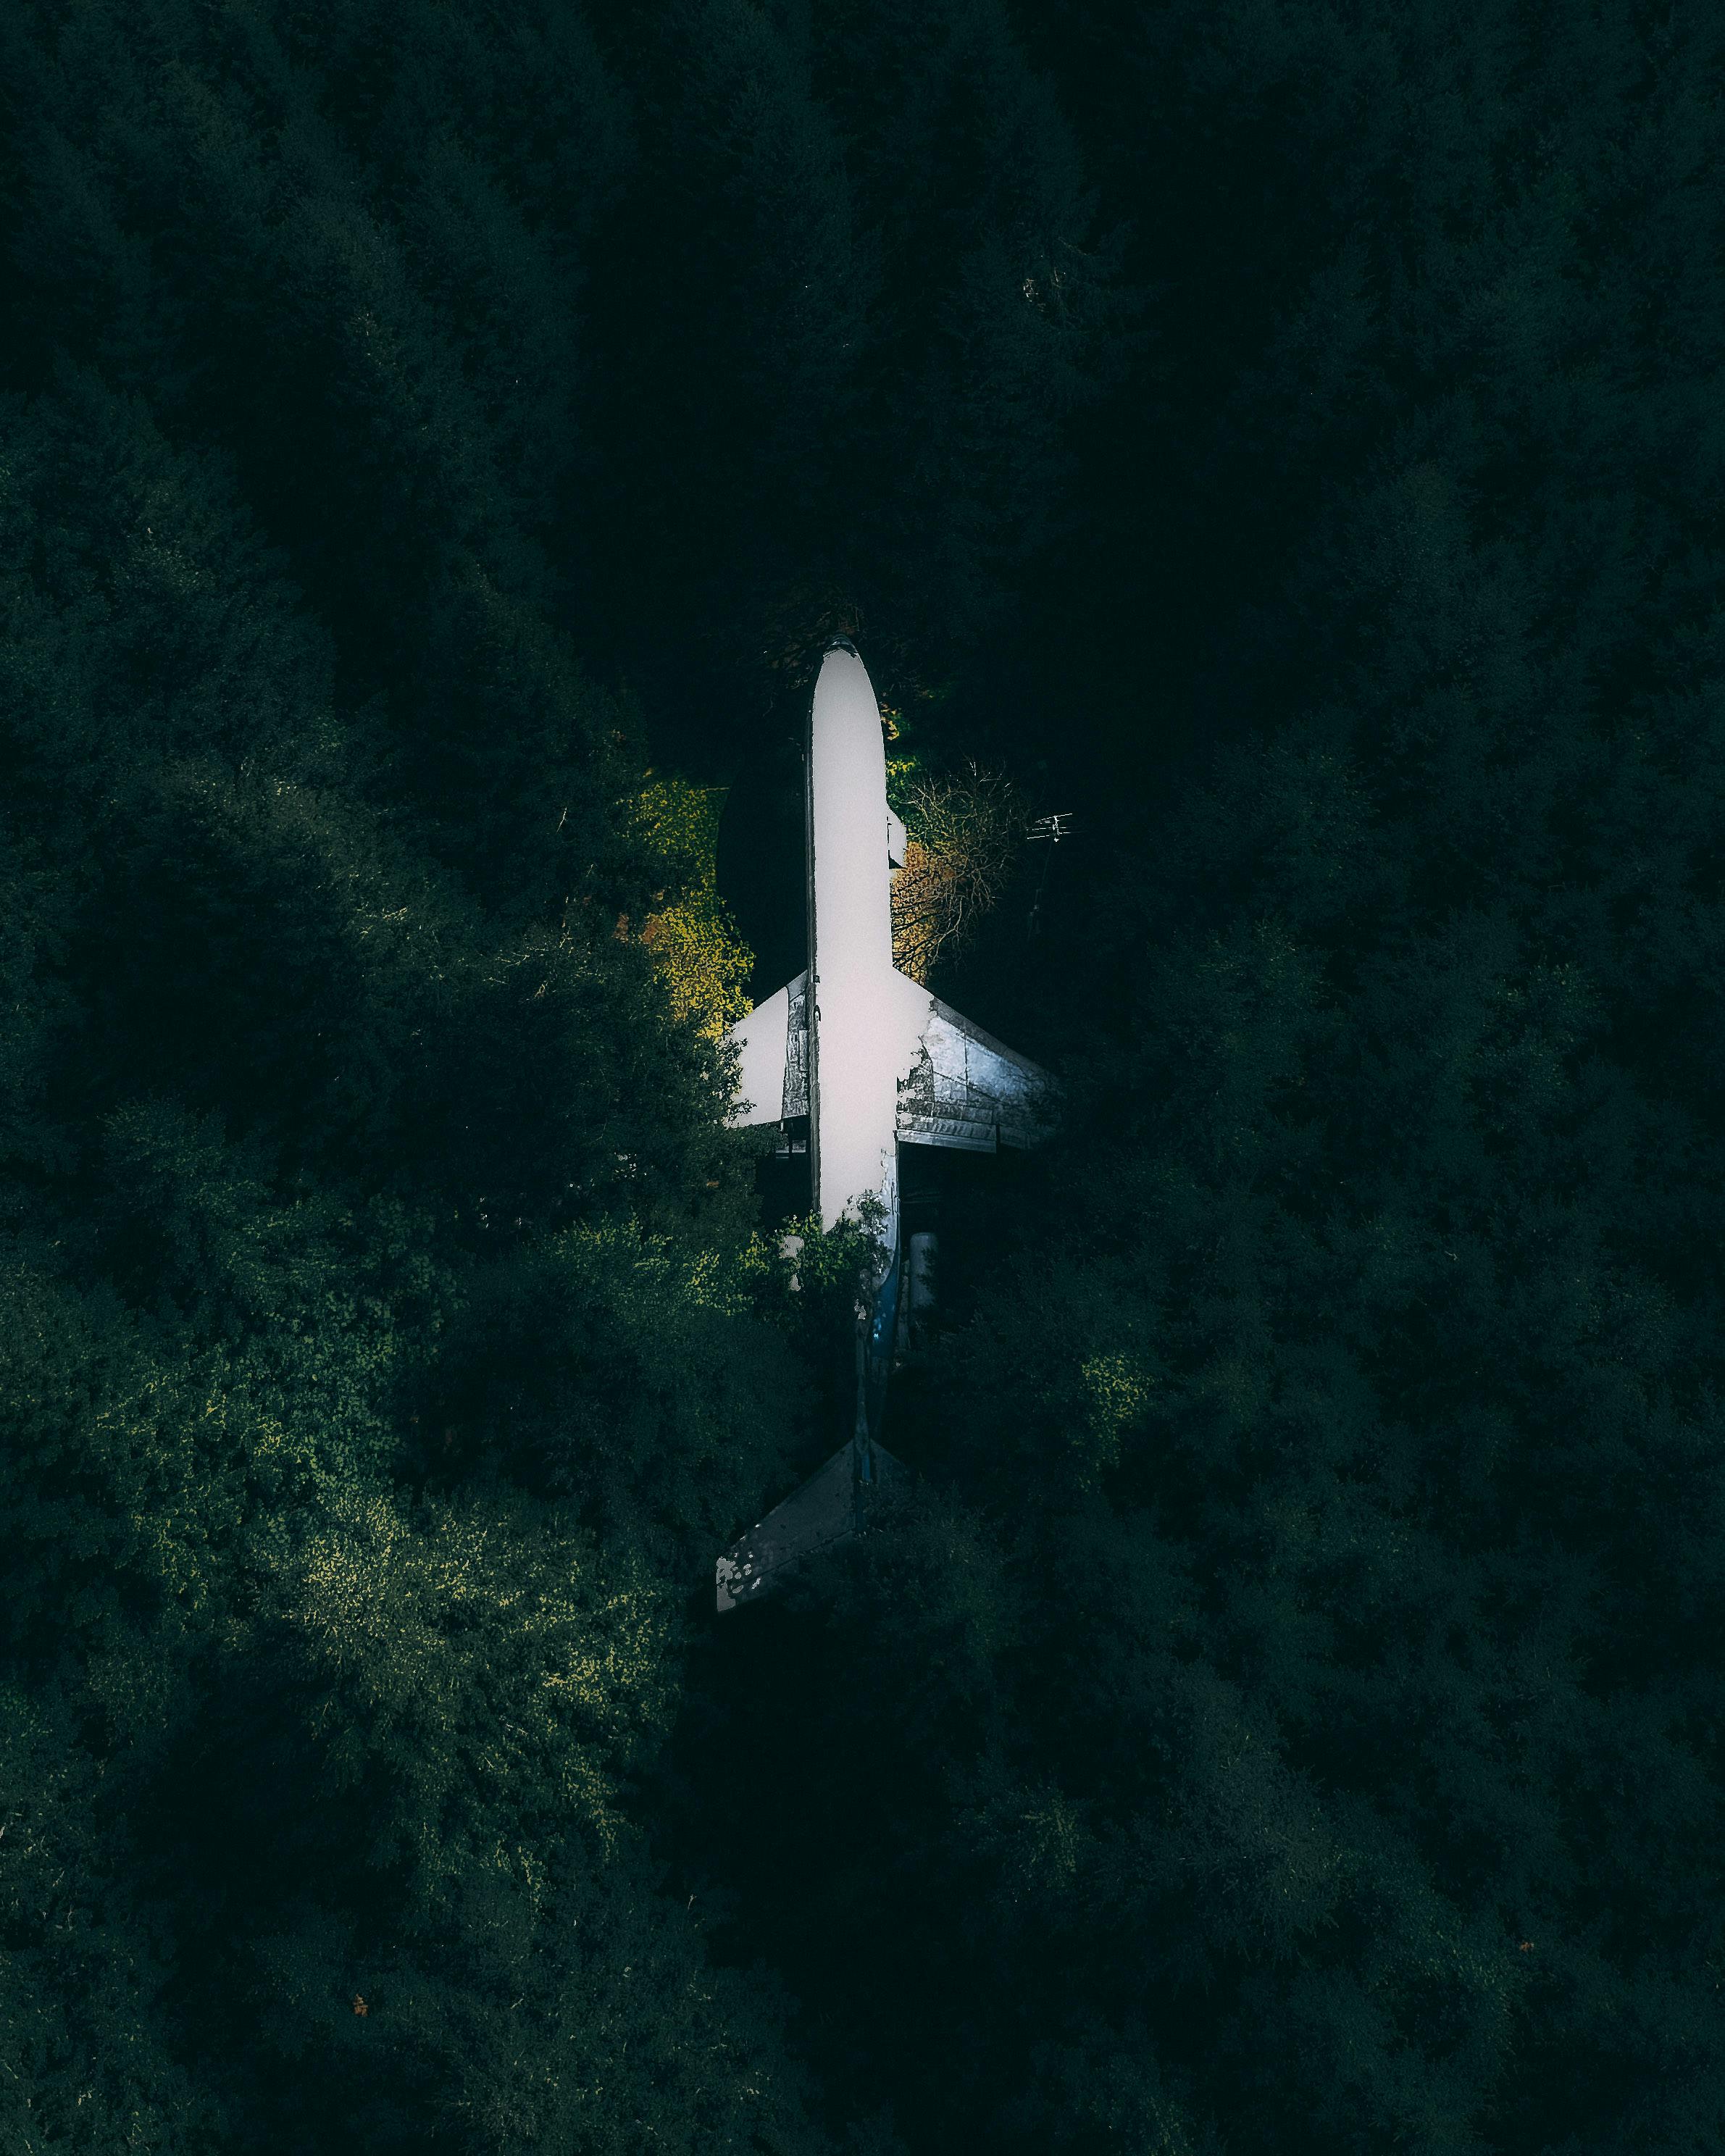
(1284, 1714)
(694, 942)
(1286, 1724)
(298, 1099)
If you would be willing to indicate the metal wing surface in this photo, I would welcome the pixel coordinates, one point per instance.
(772, 1041)
(958, 1085)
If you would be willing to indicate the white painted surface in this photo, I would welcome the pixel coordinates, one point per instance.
(960, 1086)
(873, 1060)
(761, 1038)
(853, 1039)
(870, 1055)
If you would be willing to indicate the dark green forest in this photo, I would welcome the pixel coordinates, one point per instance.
(1284, 1714)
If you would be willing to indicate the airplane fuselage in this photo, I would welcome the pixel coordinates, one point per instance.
(873, 1060)
(853, 1035)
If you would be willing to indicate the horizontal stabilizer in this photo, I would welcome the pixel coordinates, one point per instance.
(828, 1508)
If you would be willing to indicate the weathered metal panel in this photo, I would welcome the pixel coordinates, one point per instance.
(945, 1131)
(829, 1507)
(965, 1089)
(796, 1050)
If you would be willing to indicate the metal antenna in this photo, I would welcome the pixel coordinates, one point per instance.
(1053, 828)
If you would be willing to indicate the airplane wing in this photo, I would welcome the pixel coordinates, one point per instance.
(958, 1085)
(772, 1058)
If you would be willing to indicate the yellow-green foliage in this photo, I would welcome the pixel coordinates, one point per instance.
(902, 774)
(481, 1651)
(1117, 1389)
(694, 941)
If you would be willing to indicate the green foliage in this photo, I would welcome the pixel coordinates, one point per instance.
(641, 1379)
(323, 1049)
(703, 962)
(1283, 1714)
(80, 1962)
(1322, 1758)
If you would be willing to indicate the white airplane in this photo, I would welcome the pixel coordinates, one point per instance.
(874, 1061)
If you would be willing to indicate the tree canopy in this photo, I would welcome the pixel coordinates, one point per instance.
(1283, 1712)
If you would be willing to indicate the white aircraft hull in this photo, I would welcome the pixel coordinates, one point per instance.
(874, 1061)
